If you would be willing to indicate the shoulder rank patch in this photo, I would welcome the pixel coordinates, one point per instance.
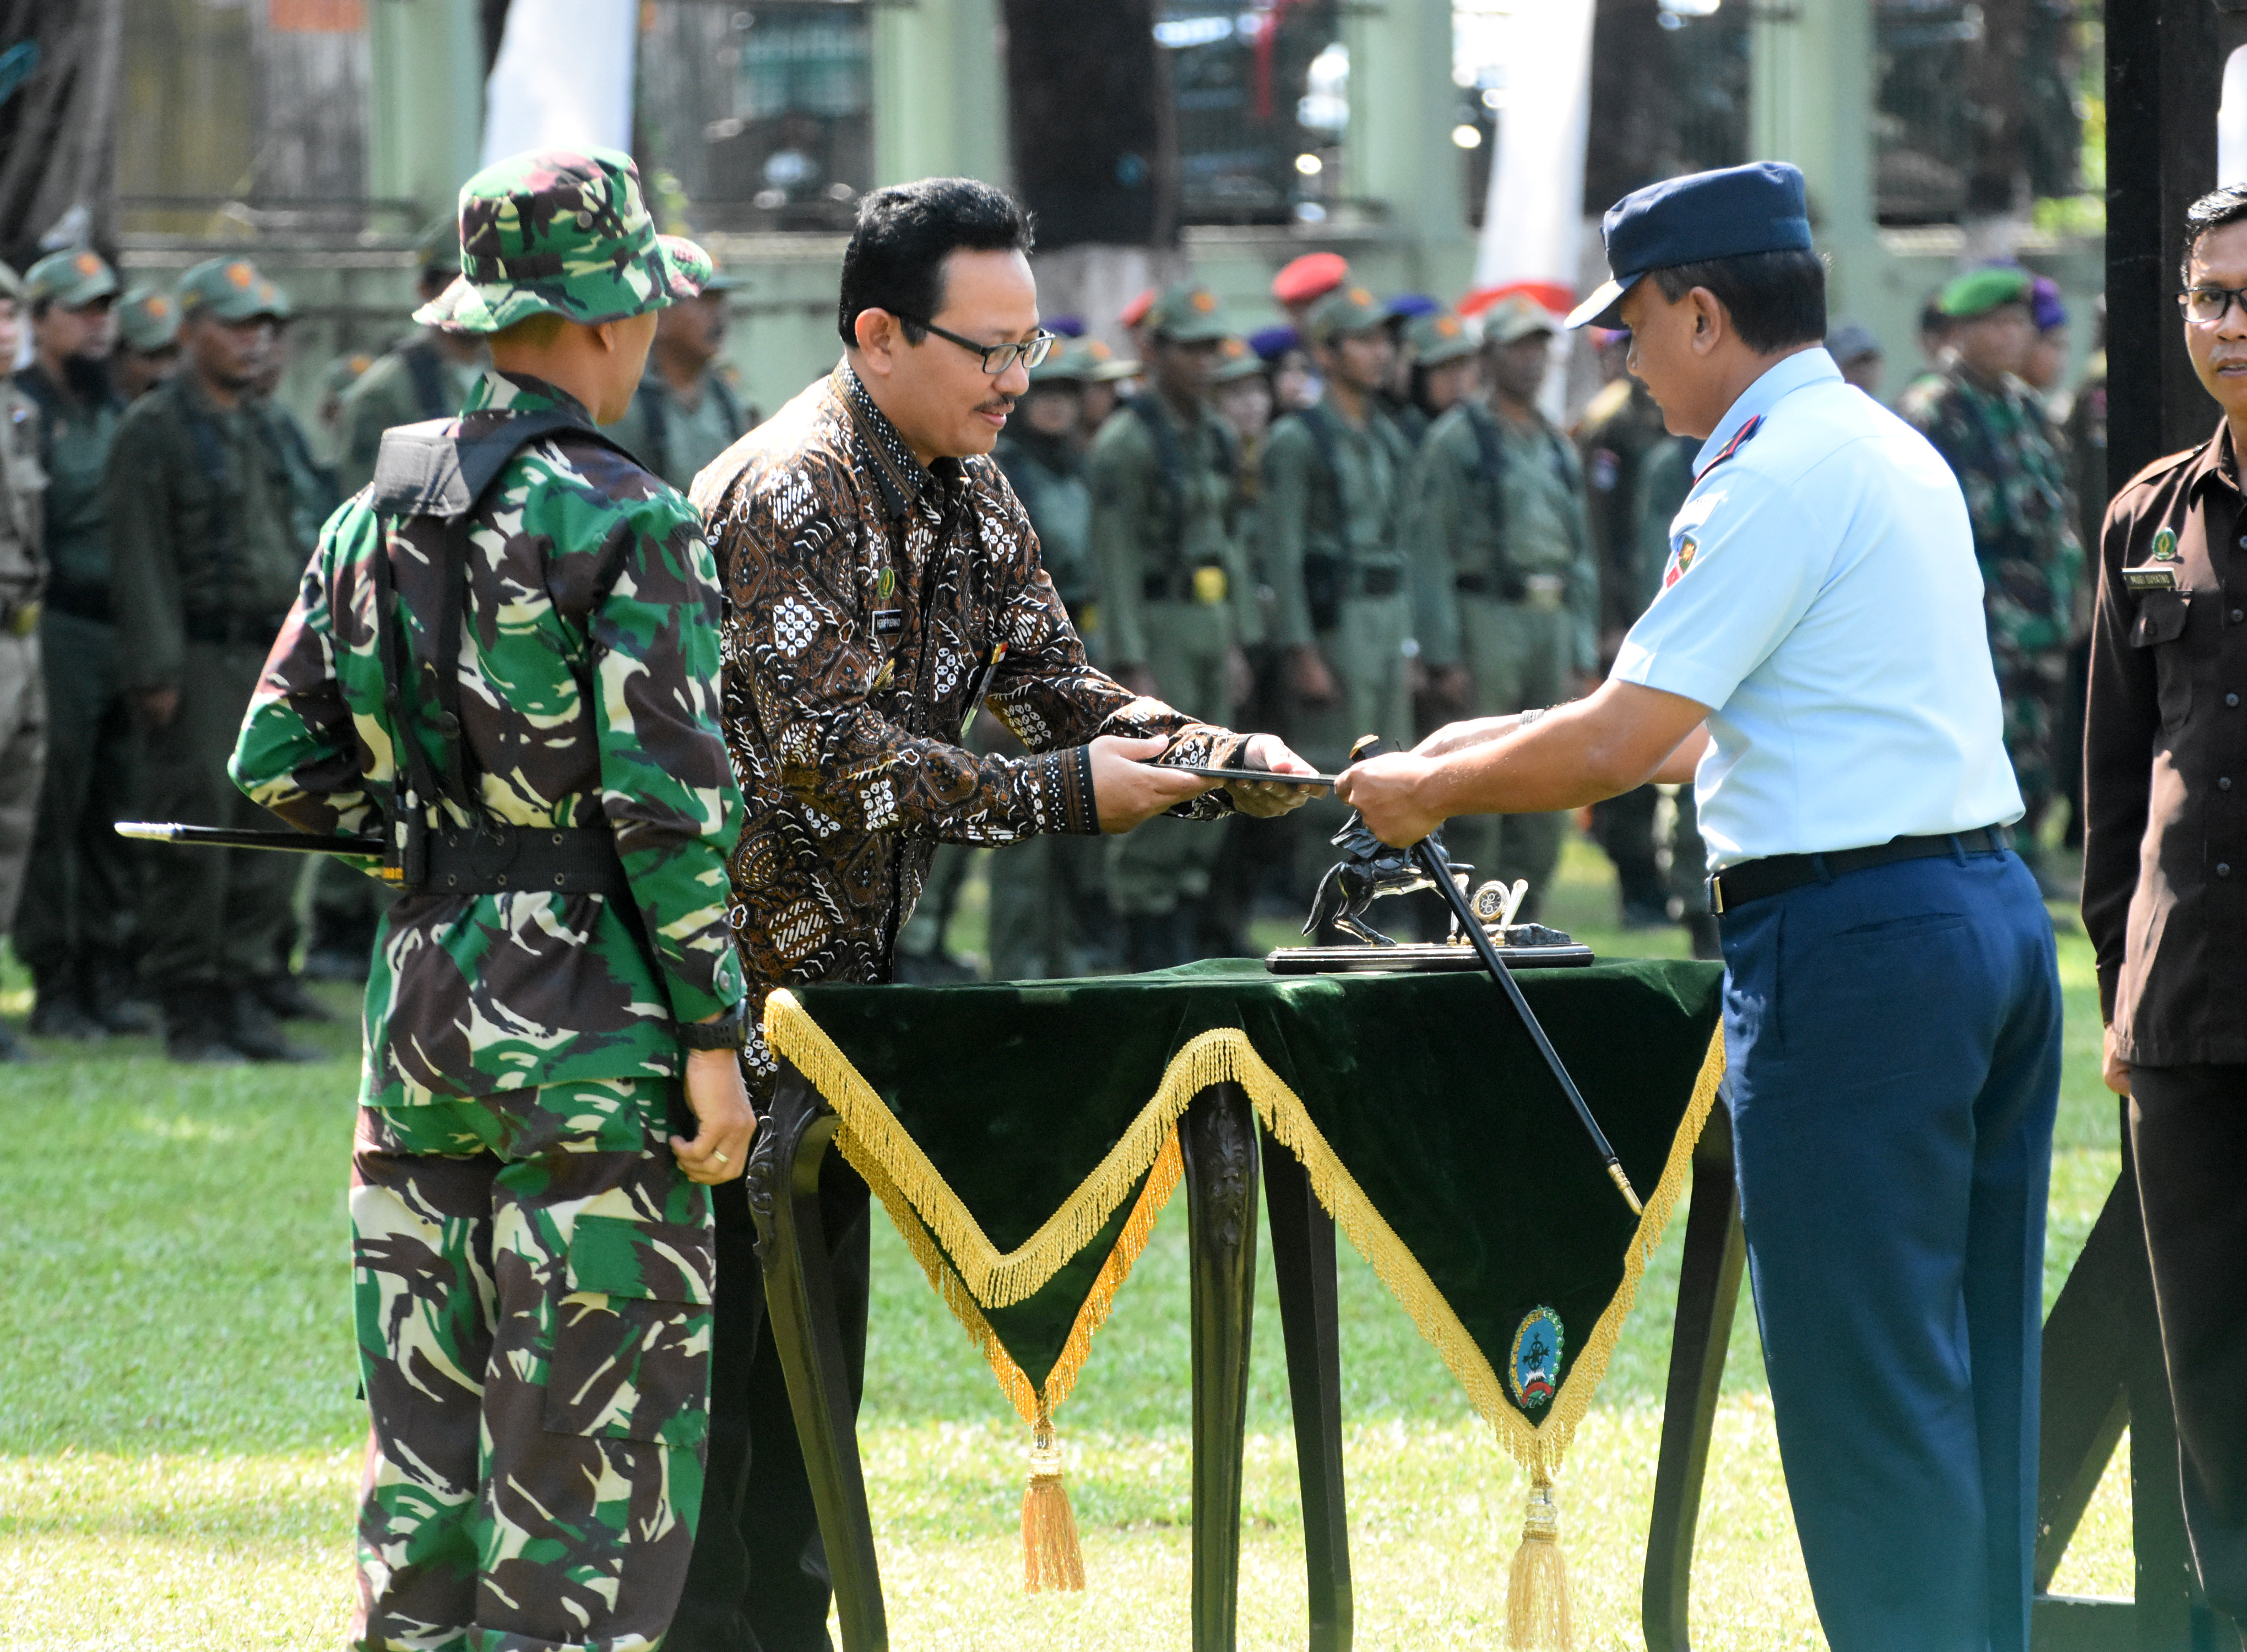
(1741, 438)
(1534, 1370)
(1681, 558)
(2165, 545)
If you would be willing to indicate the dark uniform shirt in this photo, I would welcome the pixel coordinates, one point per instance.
(2165, 765)
(77, 431)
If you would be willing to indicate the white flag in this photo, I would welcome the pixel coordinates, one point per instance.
(564, 78)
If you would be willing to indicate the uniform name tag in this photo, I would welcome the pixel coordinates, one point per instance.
(2151, 577)
(889, 622)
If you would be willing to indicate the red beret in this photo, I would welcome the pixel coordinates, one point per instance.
(1309, 278)
(1136, 312)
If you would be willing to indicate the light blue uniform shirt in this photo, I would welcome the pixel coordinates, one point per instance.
(1822, 596)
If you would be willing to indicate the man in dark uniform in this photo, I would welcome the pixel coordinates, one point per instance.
(72, 929)
(426, 374)
(2165, 889)
(204, 559)
(147, 341)
(687, 409)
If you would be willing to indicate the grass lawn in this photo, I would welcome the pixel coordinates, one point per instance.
(178, 1430)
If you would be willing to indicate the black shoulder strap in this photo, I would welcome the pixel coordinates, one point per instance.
(655, 418)
(1323, 438)
(422, 365)
(1491, 454)
(1169, 460)
(730, 405)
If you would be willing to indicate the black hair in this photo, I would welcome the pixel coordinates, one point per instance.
(895, 260)
(2212, 211)
(1776, 299)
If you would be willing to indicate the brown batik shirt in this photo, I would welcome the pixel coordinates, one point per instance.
(2165, 763)
(867, 596)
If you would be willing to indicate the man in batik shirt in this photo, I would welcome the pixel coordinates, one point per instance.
(882, 582)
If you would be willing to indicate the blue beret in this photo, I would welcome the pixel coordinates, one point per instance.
(1727, 214)
(1272, 342)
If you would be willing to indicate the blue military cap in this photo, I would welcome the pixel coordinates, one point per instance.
(1727, 214)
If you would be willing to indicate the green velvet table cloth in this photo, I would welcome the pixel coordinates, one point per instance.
(1026, 1130)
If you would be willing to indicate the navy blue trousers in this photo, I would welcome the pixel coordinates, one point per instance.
(1891, 1037)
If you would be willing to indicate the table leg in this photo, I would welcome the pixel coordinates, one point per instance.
(1303, 1261)
(1708, 1292)
(783, 1177)
(1218, 1135)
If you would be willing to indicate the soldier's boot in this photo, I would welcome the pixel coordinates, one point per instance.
(287, 997)
(59, 1008)
(253, 1028)
(110, 997)
(195, 1028)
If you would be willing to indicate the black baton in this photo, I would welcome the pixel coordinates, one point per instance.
(1432, 862)
(166, 831)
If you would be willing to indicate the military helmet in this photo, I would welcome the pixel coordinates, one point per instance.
(561, 232)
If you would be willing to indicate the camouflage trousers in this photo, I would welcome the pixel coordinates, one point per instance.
(532, 1274)
(2031, 686)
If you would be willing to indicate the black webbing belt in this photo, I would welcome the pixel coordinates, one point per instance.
(493, 860)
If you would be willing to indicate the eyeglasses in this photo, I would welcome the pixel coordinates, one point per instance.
(997, 357)
(2209, 305)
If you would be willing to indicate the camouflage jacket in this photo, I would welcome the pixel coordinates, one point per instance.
(865, 598)
(589, 667)
(1998, 444)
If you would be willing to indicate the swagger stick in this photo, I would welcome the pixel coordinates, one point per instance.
(1432, 861)
(224, 837)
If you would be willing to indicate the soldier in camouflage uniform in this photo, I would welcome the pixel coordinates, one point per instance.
(204, 560)
(1993, 433)
(23, 691)
(687, 409)
(1180, 602)
(533, 1255)
(1510, 592)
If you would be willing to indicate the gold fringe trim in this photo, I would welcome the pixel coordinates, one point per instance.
(878, 1146)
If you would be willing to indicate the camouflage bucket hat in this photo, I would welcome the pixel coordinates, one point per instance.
(561, 232)
(72, 279)
(148, 320)
(1187, 314)
(228, 290)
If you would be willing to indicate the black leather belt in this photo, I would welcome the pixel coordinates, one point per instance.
(493, 860)
(228, 630)
(1776, 874)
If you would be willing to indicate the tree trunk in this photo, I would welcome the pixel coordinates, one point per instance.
(1095, 134)
(57, 132)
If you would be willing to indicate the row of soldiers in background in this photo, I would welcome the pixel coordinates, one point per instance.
(1360, 523)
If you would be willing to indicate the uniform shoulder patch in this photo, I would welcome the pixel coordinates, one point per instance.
(1532, 1370)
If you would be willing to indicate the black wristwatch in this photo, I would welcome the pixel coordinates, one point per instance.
(723, 1033)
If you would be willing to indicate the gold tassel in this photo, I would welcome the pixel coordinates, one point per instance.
(1051, 1557)
(1537, 1590)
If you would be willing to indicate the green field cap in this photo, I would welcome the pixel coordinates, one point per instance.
(148, 320)
(1187, 314)
(72, 279)
(1510, 320)
(1440, 338)
(1344, 309)
(228, 290)
(1979, 291)
(561, 232)
(1238, 362)
(1068, 362)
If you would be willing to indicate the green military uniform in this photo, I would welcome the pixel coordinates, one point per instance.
(204, 560)
(1047, 892)
(539, 1423)
(1178, 601)
(1994, 436)
(411, 381)
(675, 439)
(1510, 590)
(73, 930)
(23, 690)
(1333, 548)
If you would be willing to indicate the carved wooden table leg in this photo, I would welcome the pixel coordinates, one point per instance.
(1708, 1292)
(783, 1178)
(1303, 1259)
(1219, 1138)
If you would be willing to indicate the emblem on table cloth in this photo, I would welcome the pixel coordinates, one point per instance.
(1533, 1369)
(1681, 558)
(2165, 545)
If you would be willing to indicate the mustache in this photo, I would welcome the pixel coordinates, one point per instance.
(998, 404)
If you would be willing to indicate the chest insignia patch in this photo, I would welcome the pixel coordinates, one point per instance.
(2165, 545)
(1534, 1370)
(889, 622)
(1681, 558)
(885, 584)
